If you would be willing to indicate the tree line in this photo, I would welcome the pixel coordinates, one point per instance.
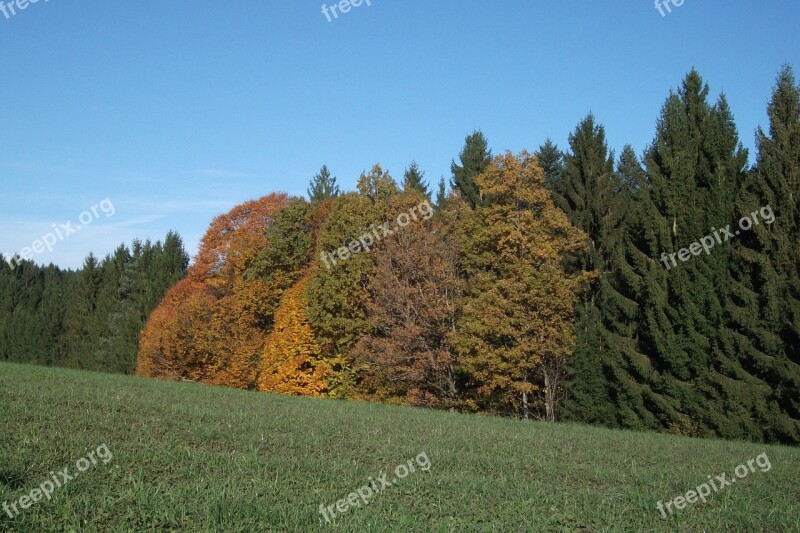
(712, 346)
(536, 290)
(89, 318)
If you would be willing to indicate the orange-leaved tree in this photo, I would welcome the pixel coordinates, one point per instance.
(212, 325)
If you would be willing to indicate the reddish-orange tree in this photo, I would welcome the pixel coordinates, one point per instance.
(172, 346)
(211, 326)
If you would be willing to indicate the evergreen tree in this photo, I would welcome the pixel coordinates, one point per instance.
(551, 159)
(589, 184)
(441, 195)
(80, 314)
(120, 294)
(475, 157)
(168, 267)
(779, 168)
(693, 167)
(88, 319)
(597, 202)
(412, 180)
(323, 186)
(764, 303)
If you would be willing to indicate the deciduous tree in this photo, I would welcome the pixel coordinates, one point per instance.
(516, 329)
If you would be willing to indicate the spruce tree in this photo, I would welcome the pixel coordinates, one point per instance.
(764, 301)
(693, 167)
(441, 195)
(80, 315)
(323, 186)
(589, 182)
(596, 201)
(551, 159)
(475, 157)
(413, 180)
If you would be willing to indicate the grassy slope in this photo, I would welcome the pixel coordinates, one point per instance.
(201, 458)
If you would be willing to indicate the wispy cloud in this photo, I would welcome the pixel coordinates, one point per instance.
(146, 219)
(175, 206)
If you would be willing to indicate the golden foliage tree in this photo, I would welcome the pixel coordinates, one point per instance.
(291, 363)
(515, 332)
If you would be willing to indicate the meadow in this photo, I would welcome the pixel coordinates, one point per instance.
(190, 457)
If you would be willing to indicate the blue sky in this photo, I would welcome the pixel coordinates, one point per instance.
(177, 111)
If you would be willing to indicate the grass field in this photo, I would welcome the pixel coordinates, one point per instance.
(198, 458)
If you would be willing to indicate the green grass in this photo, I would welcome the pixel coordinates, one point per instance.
(198, 458)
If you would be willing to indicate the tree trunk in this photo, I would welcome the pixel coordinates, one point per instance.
(549, 399)
(525, 398)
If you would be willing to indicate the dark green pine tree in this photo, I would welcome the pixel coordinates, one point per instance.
(551, 159)
(135, 281)
(323, 186)
(168, 267)
(49, 316)
(113, 310)
(625, 368)
(693, 167)
(779, 166)
(764, 305)
(413, 180)
(475, 158)
(441, 195)
(32, 308)
(79, 320)
(589, 184)
(599, 201)
(91, 318)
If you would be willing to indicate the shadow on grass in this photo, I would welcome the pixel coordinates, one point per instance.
(11, 480)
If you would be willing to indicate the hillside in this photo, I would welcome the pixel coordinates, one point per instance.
(201, 458)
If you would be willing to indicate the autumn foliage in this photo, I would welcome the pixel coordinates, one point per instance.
(292, 362)
(468, 307)
(210, 327)
(515, 332)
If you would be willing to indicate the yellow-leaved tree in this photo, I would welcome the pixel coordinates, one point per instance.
(515, 333)
(291, 362)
